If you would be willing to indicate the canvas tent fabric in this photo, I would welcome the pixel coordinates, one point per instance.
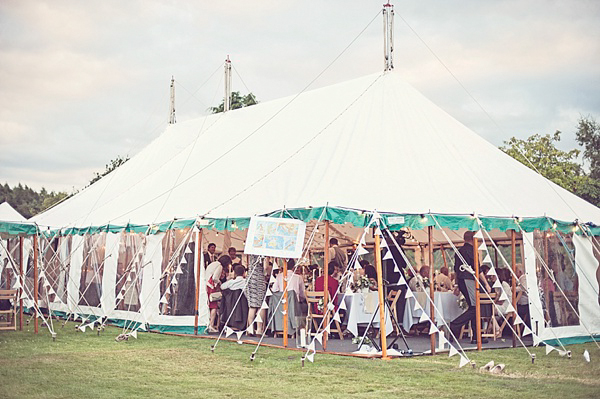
(373, 143)
(337, 153)
(8, 213)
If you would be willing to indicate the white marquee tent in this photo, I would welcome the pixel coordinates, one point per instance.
(370, 144)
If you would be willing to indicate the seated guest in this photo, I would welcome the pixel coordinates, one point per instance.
(442, 281)
(369, 269)
(295, 282)
(232, 252)
(238, 282)
(332, 286)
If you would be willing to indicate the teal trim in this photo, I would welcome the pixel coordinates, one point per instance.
(572, 340)
(337, 215)
(175, 329)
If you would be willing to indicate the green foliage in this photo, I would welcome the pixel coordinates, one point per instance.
(562, 167)
(27, 201)
(114, 164)
(588, 136)
(559, 166)
(237, 101)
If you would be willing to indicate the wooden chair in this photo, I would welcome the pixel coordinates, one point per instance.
(392, 299)
(10, 315)
(315, 319)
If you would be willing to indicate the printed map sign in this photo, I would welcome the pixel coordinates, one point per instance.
(280, 238)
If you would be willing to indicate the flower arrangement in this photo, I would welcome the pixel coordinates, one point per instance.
(462, 302)
(321, 305)
(362, 282)
(426, 282)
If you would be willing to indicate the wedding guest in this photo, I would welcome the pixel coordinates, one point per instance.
(295, 282)
(256, 290)
(338, 254)
(210, 255)
(442, 281)
(213, 272)
(332, 285)
(466, 284)
(523, 302)
(232, 252)
(238, 282)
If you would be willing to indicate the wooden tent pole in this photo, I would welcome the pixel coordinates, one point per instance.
(431, 285)
(382, 331)
(477, 298)
(198, 266)
(22, 282)
(326, 284)
(35, 281)
(285, 305)
(444, 256)
(513, 254)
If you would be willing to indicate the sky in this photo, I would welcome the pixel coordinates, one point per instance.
(84, 82)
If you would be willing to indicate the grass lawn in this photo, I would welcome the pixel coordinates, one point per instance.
(84, 365)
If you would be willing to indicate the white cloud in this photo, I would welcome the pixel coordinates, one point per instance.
(84, 82)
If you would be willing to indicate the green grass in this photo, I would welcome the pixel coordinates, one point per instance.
(85, 365)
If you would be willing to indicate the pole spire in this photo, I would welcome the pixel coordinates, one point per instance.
(227, 99)
(388, 37)
(172, 103)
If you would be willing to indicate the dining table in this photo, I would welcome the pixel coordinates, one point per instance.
(445, 302)
(360, 309)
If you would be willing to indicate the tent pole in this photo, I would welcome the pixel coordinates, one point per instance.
(444, 255)
(431, 285)
(21, 282)
(285, 305)
(513, 255)
(198, 266)
(35, 280)
(477, 298)
(326, 284)
(382, 332)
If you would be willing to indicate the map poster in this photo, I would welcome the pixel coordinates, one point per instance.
(277, 237)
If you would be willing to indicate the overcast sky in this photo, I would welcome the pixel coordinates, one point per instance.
(84, 82)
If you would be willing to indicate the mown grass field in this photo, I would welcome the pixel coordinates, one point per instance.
(85, 365)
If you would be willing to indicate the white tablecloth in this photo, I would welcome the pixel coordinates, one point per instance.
(445, 302)
(359, 310)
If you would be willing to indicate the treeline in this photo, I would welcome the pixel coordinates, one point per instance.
(564, 167)
(27, 201)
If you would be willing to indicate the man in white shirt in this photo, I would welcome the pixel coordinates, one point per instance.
(237, 283)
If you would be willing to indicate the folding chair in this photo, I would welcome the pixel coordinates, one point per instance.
(314, 318)
(9, 315)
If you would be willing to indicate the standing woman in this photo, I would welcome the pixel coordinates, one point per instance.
(255, 290)
(213, 286)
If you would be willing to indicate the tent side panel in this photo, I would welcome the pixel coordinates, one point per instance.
(149, 296)
(75, 272)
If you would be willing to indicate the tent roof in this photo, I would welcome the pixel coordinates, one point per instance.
(10, 214)
(373, 143)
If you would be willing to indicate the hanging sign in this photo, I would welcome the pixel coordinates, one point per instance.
(281, 238)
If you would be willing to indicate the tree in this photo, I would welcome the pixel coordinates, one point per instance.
(237, 101)
(588, 136)
(114, 164)
(561, 167)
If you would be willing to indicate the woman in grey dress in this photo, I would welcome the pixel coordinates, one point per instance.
(255, 290)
